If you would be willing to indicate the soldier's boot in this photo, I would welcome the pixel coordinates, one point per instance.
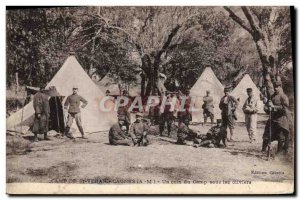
(169, 129)
(224, 140)
(67, 133)
(35, 139)
(205, 120)
(46, 137)
(161, 129)
(280, 146)
(82, 132)
(264, 145)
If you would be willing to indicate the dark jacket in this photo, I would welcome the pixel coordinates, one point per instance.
(280, 112)
(115, 133)
(42, 113)
(229, 108)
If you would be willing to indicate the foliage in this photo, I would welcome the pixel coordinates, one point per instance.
(126, 41)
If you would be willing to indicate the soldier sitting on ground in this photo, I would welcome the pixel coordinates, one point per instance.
(138, 131)
(184, 133)
(213, 137)
(117, 134)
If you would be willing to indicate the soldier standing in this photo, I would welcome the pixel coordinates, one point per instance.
(250, 110)
(42, 114)
(73, 102)
(228, 105)
(117, 134)
(166, 117)
(278, 126)
(138, 131)
(185, 115)
(154, 112)
(208, 107)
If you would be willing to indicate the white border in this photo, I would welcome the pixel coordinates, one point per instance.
(4, 3)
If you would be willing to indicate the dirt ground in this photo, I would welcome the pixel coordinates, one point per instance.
(65, 161)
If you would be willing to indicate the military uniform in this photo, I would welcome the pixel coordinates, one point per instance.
(42, 113)
(117, 136)
(184, 115)
(124, 114)
(154, 113)
(279, 123)
(214, 136)
(138, 132)
(166, 117)
(208, 108)
(250, 110)
(228, 105)
(185, 133)
(73, 102)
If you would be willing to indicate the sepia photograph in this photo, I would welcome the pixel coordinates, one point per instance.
(150, 100)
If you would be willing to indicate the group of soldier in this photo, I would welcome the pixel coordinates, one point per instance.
(277, 127)
(42, 113)
(135, 134)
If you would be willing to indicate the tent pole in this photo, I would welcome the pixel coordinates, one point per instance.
(23, 110)
(57, 114)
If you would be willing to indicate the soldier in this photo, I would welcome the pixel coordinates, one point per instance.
(117, 134)
(278, 125)
(185, 115)
(166, 117)
(154, 112)
(228, 105)
(208, 107)
(73, 102)
(123, 111)
(42, 114)
(214, 136)
(138, 131)
(185, 133)
(250, 109)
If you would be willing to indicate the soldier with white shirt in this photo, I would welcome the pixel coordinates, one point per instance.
(250, 110)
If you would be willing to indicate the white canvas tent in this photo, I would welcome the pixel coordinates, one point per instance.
(70, 74)
(239, 92)
(207, 81)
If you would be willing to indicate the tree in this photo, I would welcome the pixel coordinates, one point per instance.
(149, 31)
(270, 29)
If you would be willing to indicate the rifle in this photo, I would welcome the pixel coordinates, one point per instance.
(267, 89)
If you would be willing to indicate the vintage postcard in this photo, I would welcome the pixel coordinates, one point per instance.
(150, 100)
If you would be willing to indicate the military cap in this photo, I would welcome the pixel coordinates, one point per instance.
(219, 121)
(277, 83)
(207, 91)
(75, 87)
(249, 90)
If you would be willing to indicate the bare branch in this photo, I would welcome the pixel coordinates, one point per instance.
(253, 23)
(237, 19)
